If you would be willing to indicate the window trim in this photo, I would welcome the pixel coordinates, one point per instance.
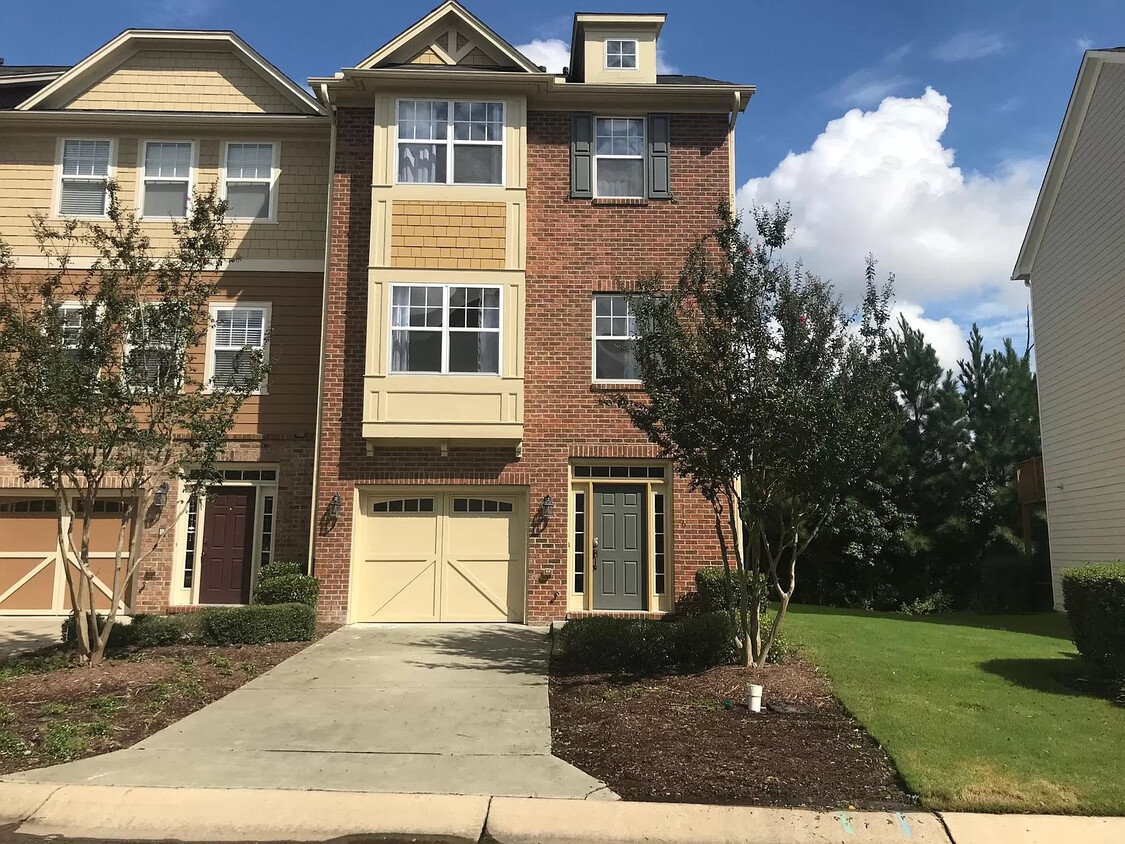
(143, 180)
(449, 143)
(111, 170)
(445, 329)
(71, 305)
(595, 337)
(636, 55)
(275, 176)
(209, 365)
(643, 157)
(127, 347)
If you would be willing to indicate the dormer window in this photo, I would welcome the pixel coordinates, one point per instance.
(621, 54)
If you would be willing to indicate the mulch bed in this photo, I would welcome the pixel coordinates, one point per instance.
(61, 712)
(671, 738)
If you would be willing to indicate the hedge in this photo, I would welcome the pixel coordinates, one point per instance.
(252, 625)
(1095, 605)
(287, 589)
(711, 584)
(646, 645)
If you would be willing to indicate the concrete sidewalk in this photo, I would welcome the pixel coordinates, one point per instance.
(154, 814)
(20, 633)
(423, 709)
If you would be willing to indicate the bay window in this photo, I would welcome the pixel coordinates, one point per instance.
(450, 142)
(445, 329)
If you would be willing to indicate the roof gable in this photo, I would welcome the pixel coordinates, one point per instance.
(449, 36)
(224, 73)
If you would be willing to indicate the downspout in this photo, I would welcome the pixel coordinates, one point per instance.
(323, 329)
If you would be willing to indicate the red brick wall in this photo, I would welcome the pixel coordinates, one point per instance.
(574, 249)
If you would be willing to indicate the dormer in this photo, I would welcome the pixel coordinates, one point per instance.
(614, 49)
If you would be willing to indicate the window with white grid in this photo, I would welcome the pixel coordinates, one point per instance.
(150, 360)
(615, 335)
(621, 54)
(445, 329)
(236, 334)
(450, 142)
(85, 171)
(167, 178)
(619, 157)
(249, 180)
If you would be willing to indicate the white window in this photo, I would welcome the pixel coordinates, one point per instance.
(443, 328)
(450, 142)
(237, 332)
(615, 335)
(149, 357)
(70, 335)
(85, 173)
(167, 178)
(619, 157)
(249, 181)
(621, 54)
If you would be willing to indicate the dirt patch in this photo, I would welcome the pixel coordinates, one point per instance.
(692, 738)
(59, 712)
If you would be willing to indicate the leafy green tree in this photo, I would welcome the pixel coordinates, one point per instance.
(101, 385)
(767, 395)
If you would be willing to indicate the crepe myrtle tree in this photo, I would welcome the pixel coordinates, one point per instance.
(102, 397)
(768, 395)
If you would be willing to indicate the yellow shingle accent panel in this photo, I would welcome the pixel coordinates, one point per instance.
(454, 235)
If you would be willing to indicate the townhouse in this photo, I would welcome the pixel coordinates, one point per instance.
(434, 437)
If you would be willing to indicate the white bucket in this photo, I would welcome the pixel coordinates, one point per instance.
(754, 694)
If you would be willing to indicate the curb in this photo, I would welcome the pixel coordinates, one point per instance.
(968, 828)
(19, 801)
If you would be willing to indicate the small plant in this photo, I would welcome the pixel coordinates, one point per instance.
(105, 703)
(18, 666)
(11, 744)
(935, 603)
(97, 727)
(56, 708)
(221, 664)
(260, 624)
(285, 583)
(64, 741)
(644, 645)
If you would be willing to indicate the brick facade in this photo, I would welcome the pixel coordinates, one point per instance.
(575, 248)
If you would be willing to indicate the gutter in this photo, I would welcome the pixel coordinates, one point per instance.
(326, 99)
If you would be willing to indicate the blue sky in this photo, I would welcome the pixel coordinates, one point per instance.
(936, 182)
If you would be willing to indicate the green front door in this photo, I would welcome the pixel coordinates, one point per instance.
(619, 547)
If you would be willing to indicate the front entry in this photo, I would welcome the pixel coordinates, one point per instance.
(227, 546)
(619, 547)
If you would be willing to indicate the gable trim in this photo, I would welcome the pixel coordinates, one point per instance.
(102, 61)
(470, 20)
(1077, 107)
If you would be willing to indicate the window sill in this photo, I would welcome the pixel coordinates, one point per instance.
(619, 200)
(617, 387)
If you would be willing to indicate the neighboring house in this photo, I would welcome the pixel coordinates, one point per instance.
(1073, 259)
(163, 113)
(483, 217)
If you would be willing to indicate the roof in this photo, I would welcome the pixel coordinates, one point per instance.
(30, 69)
(687, 79)
(1080, 96)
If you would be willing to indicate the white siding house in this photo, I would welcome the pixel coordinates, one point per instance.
(1073, 259)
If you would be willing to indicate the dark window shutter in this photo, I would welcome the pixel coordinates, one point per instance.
(659, 148)
(582, 156)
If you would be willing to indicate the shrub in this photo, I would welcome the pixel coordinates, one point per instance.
(259, 624)
(1008, 583)
(711, 585)
(287, 589)
(1095, 605)
(931, 604)
(148, 631)
(280, 568)
(646, 645)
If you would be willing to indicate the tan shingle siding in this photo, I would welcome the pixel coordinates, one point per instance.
(151, 80)
(1078, 299)
(454, 235)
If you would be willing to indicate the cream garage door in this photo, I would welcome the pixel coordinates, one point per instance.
(439, 556)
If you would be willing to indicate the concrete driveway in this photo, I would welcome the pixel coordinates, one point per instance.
(19, 633)
(437, 709)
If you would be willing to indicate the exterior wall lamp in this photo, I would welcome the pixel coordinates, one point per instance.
(160, 497)
(548, 507)
(334, 506)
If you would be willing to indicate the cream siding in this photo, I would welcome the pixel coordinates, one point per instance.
(28, 182)
(162, 80)
(1078, 300)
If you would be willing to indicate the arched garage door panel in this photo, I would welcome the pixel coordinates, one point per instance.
(459, 560)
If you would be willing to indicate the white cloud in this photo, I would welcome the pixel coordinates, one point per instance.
(882, 182)
(552, 53)
(867, 87)
(943, 334)
(1084, 44)
(969, 45)
(662, 64)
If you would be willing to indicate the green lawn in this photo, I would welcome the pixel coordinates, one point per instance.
(986, 713)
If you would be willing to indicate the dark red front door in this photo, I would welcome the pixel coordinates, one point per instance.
(227, 545)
